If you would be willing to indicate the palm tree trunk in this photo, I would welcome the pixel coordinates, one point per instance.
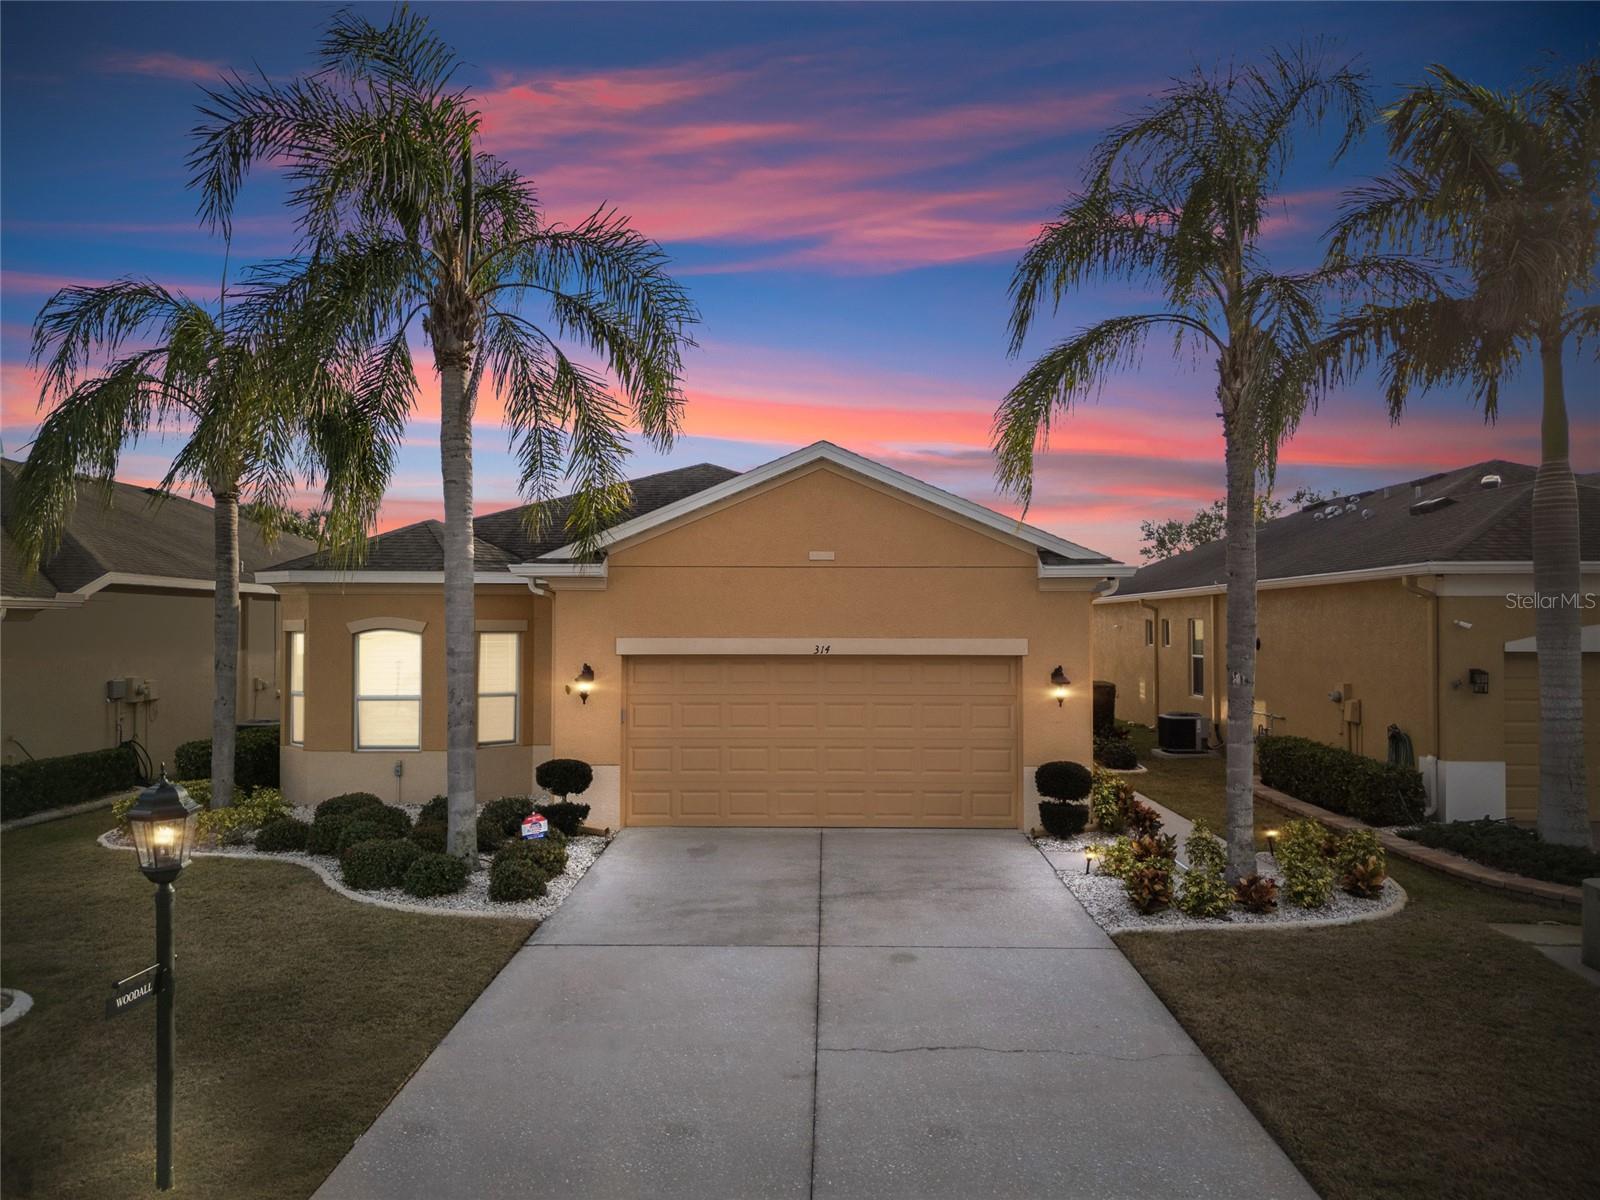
(225, 645)
(460, 650)
(1557, 580)
(1241, 661)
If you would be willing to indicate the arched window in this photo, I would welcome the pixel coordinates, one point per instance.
(388, 690)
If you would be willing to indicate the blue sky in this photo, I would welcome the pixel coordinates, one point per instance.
(845, 190)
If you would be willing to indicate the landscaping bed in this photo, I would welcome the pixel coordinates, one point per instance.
(1508, 847)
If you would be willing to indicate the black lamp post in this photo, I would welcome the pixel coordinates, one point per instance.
(163, 824)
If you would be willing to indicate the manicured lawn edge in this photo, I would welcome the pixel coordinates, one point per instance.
(1439, 860)
(66, 810)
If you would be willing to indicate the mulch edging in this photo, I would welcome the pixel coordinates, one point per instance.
(1429, 856)
(65, 811)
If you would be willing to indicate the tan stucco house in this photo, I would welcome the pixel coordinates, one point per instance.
(819, 641)
(1406, 606)
(111, 639)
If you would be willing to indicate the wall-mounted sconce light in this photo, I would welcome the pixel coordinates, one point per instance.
(1058, 677)
(584, 683)
(1479, 679)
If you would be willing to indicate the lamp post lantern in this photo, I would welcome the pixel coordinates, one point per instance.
(162, 822)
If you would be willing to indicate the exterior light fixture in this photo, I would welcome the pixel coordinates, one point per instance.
(1088, 858)
(1272, 842)
(1058, 677)
(584, 682)
(1479, 679)
(162, 822)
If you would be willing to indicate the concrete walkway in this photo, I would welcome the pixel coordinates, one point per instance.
(740, 1014)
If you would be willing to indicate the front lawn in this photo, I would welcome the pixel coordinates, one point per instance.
(1404, 1059)
(300, 1013)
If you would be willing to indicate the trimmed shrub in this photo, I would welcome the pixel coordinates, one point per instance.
(248, 811)
(326, 832)
(1150, 846)
(564, 776)
(1141, 820)
(515, 876)
(1063, 780)
(1150, 885)
(1510, 848)
(1361, 863)
(1105, 707)
(377, 862)
(44, 783)
(283, 835)
(1256, 893)
(430, 835)
(343, 806)
(437, 809)
(1116, 753)
(507, 813)
(1305, 870)
(1203, 891)
(1109, 798)
(434, 875)
(1062, 818)
(1378, 793)
(255, 757)
(566, 815)
(1116, 859)
(548, 854)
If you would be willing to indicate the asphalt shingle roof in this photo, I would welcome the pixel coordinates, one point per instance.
(505, 537)
(1473, 523)
(137, 533)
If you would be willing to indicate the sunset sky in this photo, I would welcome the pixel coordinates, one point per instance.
(844, 189)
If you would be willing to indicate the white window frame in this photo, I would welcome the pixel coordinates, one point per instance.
(290, 639)
(1197, 659)
(355, 714)
(515, 693)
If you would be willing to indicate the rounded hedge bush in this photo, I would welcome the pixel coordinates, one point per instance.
(434, 875)
(1116, 753)
(507, 813)
(564, 776)
(490, 835)
(515, 876)
(325, 834)
(1063, 818)
(283, 835)
(430, 835)
(437, 809)
(1063, 780)
(377, 863)
(343, 806)
(566, 815)
(547, 853)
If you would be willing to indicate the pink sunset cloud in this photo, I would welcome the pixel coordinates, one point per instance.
(163, 64)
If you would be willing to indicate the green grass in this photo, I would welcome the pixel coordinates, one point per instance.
(300, 1013)
(1409, 1058)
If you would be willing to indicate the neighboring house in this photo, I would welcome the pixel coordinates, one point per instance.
(819, 641)
(1407, 606)
(112, 638)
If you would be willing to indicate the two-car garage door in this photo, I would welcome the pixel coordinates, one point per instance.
(821, 740)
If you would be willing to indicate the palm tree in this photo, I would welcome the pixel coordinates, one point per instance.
(1501, 188)
(246, 435)
(1175, 199)
(400, 216)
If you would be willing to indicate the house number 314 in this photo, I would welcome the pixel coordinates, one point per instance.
(821, 648)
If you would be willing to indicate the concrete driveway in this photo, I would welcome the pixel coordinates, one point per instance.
(737, 1014)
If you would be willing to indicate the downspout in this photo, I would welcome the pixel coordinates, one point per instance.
(1155, 656)
(1212, 659)
(1432, 597)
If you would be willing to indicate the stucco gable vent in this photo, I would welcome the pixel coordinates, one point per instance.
(1489, 481)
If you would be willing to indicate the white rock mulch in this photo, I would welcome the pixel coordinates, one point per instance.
(471, 901)
(1107, 901)
(14, 1005)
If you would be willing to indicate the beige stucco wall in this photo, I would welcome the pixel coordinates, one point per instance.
(900, 570)
(54, 664)
(328, 763)
(1373, 640)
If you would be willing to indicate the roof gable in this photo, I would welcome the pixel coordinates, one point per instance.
(826, 452)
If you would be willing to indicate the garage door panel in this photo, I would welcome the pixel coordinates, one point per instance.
(847, 741)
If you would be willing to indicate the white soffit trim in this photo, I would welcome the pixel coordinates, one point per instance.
(341, 577)
(369, 624)
(1530, 645)
(124, 579)
(1085, 570)
(964, 647)
(850, 461)
(1368, 573)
